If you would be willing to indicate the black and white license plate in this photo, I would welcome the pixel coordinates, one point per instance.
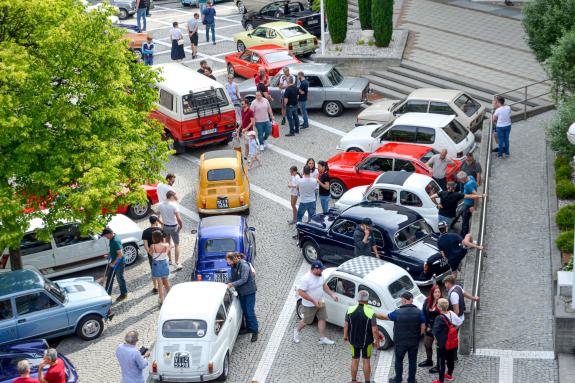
(221, 277)
(181, 361)
(310, 22)
(209, 131)
(222, 203)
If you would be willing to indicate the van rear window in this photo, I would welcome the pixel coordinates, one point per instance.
(184, 328)
(201, 101)
(221, 175)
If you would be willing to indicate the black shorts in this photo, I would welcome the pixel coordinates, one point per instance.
(454, 263)
(262, 88)
(194, 38)
(364, 352)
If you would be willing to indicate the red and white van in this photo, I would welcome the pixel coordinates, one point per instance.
(194, 109)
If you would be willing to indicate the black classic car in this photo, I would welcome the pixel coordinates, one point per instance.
(285, 10)
(401, 235)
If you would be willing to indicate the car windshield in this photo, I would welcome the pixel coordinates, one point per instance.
(334, 77)
(55, 290)
(455, 131)
(396, 104)
(276, 57)
(427, 156)
(400, 286)
(296, 30)
(432, 188)
(184, 328)
(379, 131)
(8, 365)
(221, 174)
(220, 245)
(204, 103)
(412, 234)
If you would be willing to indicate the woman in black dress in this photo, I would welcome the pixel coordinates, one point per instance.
(430, 311)
(177, 43)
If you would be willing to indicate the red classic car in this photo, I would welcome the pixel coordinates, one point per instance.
(272, 57)
(351, 169)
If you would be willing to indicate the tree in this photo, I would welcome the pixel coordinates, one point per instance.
(382, 21)
(336, 12)
(365, 14)
(561, 64)
(75, 135)
(556, 130)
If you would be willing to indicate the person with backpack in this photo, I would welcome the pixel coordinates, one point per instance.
(445, 332)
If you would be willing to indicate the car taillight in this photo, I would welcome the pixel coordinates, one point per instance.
(154, 367)
(459, 154)
(204, 203)
(299, 22)
(199, 277)
(211, 367)
(242, 200)
(290, 46)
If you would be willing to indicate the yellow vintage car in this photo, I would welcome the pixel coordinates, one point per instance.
(224, 183)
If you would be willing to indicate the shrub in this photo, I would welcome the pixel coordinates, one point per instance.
(565, 218)
(336, 12)
(563, 172)
(365, 14)
(565, 241)
(569, 265)
(556, 130)
(565, 189)
(561, 161)
(382, 21)
(360, 42)
(561, 64)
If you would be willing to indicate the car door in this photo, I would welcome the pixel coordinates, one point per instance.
(316, 92)
(275, 91)
(340, 248)
(234, 313)
(258, 36)
(242, 68)
(71, 246)
(252, 67)
(437, 107)
(267, 14)
(8, 321)
(345, 290)
(371, 168)
(403, 165)
(222, 332)
(400, 133)
(412, 106)
(37, 253)
(38, 314)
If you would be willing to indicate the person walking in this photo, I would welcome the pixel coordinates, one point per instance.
(202, 68)
(160, 266)
(56, 372)
(456, 295)
(469, 187)
(172, 223)
(262, 82)
(448, 202)
(446, 352)
(148, 51)
(234, 92)
(177, 53)
(209, 20)
(23, 368)
(141, 9)
(292, 185)
(247, 124)
(283, 84)
(306, 187)
(290, 102)
(253, 155)
(502, 121)
(471, 167)
(311, 288)
(303, 90)
(360, 330)
(438, 164)
(132, 362)
(264, 118)
(409, 326)
(453, 247)
(115, 265)
(323, 182)
(193, 26)
(148, 241)
(243, 281)
(163, 188)
(364, 242)
(148, 5)
(430, 312)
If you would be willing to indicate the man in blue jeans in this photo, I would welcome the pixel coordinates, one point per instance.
(307, 185)
(303, 88)
(243, 281)
(116, 265)
(502, 121)
(142, 9)
(290, 101)
(209, 20)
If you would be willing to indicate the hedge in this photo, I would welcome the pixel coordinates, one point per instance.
(336, 12)
(382, 21)
(565, 218)
(565, 241)
(365, 14)
(565, 189)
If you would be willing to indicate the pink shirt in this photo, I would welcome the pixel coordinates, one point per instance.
(260, 109)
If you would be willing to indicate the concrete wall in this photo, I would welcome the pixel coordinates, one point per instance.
(358, 66)
(564, 327)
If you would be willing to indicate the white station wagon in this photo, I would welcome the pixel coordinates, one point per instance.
(385, 283)
(197, 329)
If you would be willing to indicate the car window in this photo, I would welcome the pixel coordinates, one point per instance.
(404, 165)
(314, 81)
(225, 174)
(379, 131)
(205, 103)
(271, 34)
(413, 106)
(412, 233)
(295, 30)
(260, 32)
(373, 299)
(400, 286)
(455, 131)
(246, 56)
(269, 9)
(332, 284)
(69, 235)
(344, 227)
(381, 194)
(440, 108)
(220, 319)
(427, 156)
(432, 188)
(409, 199)
(467, 105)
(220, 245)
(30, 303)
(5, 309)
(276, 57)
(401, 133)
(345, 287)
(166, 99)
(228, 299)
(31, 245)
(334, 77)
(425, 135)
(378, 164)
(184, 328)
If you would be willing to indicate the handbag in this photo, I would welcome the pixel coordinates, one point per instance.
(181, 42)
(275, 130)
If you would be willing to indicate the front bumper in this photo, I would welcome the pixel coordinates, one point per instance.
(224, 211)
(184, 377)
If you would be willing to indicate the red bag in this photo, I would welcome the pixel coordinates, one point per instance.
(452, 335)
(275, 130)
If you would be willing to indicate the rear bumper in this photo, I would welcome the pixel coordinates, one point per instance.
(224, 211)
(208, 139)
(184, 377)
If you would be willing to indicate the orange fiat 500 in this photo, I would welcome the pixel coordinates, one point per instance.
(224, 184)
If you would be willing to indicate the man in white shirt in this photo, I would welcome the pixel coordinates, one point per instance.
(311, 288)
(307, 185)
(456, 297)
(438, 164)
(502, 121)
(171, 219)
(164, 188)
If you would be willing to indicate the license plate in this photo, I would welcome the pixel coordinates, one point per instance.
(222, 203)
(209, 131)
(310, 22)
(221, 277)
(181, 361)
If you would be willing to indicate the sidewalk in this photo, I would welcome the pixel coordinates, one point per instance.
(494, 8)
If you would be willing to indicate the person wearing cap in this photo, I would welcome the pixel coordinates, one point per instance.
(454, 248)
(311, 288)
(116, 265)
(147, 238)
(360, 330)
(448, 201)
(409, 326)
(364, 241)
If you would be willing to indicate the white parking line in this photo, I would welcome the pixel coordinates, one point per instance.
(327, 128)
(287, 153)
(383, 365)
(203, 55)
(192, 12)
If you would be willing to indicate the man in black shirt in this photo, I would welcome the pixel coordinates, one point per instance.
(449, 201)
(203, 65)
(303, 89)
(363, 239)
(147, 238)
(290, 101)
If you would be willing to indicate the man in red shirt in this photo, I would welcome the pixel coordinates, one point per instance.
(247, 123)
(24, 371)
(56, 372)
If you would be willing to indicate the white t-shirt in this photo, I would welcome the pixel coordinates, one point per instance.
(293, 182)
(163, 189)
(306, 187)
(454, 319)
(168, 210)
(503, 114)
(313, 286)
(454, 300)
(176, 34)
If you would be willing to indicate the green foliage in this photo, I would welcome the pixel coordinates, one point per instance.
(563, 172)
(561, 64)
(74, 123)
(564, 241)
(360, 42)
(315, 5)
(382, 21)
(365, 14)
(336, 12)
(569, 265)
(371, 43)
(561, 161)
(556, 130)
(565, 189)
(565, 218)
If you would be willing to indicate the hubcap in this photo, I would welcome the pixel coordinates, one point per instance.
(300, 311)
(249, 27)
(140, 209)
(130, 254)
(91, 328)
(241, 47)
(332, 108)
(336, 189)
(311, 253)
(226, 366)
(230, 70)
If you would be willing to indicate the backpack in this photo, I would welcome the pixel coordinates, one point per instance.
(452, 335)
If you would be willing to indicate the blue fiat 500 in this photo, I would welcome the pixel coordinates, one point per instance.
(216, 236)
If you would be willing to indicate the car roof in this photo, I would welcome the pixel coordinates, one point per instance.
(360, 266)
(393, 178)
(221, 226)
(193, 300)
(386, 274)
(221, 220)
(267, 48)
(279, 24)
(405, 150)
(434, 94)
(174, 73)
(388, 215)
(13, 282)
(428, 120)
(310, 68)
(225, 153)
(218, 159)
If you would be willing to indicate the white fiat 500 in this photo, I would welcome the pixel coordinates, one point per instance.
(197, 329)
(385, 283)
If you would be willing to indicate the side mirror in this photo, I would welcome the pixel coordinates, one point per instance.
(251, 228)
(356, 168)
(249, 35)
(193, 231)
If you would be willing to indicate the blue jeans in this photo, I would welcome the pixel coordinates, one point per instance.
(149, 60)
(118, 271)
(303, 108)
(211, 26)
(503, 137)
(400, 352)
(466, 217)
(303, 207)
(293, 119)
(324, 202)
(445, 219)
(264, 130)
(141, 14)
(248, 303)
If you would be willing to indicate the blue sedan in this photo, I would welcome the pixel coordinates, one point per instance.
(216, 236)
(401, 235)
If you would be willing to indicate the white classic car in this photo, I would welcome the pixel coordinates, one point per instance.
(385, 283)
(197, 329)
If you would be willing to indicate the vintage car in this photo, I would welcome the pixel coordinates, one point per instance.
(69, 251)
(135, 38)
(469, 112)
(432, 130)
(384, 281)
(197, 329)
(216, 236)
(284, 10)
(224, 183)
(32, 306)
(195, 3)
(401, 235)
(33, 351)
(328, 89)
(270, 57)
(141, 210)
(351, 169)
(288, 35)
(411, 190)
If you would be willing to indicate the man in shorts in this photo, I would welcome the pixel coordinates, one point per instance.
(172, 223)
(311, 288)
(454, 248)
(193, 26)
(360, 330)
(147, 238)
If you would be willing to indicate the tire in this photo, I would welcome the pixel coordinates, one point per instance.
(90, 327)
(225, 369)
(175, 145)
(130, 252)
(336, 188)
(387, 342)
(231, 70)
(310, 252)
(241, 7)
(140, 210)
(241, 46)
(299, 309)
(332, 108)
(355, 150)
(124, 14)
(246, 212)
(249, 26)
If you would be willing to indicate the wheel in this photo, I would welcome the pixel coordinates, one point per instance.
(231, 70)
(299, 309)
(90, 327)
(241, 46)
(225, 369)
(356, 150)
(137, 53)
(310, 252)
(241, 7)
(387, 342)
(336, 188)
(130, 251)
(123, 15)
(175, 145)
(249, 26)
(140, 210)
(332, 108)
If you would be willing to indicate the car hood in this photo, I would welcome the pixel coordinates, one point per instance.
(353, 83)
(124, 226)
(350, 197)
(421, 250)
(82, 289)
(379, 112)
(361, 132)
(345, 160)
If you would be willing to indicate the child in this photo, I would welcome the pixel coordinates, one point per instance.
(148, 51)
(253, 150)
(236, 141)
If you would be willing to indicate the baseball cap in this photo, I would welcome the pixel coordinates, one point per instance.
(153, 218)
(317, 265)
(107, 230)
(407, 295)
(366, 221)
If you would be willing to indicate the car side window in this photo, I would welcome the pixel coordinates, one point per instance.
(409, 199)
(69, 235)
(413, 106)
(31, 303)
(345, 287)
(401, 133)
(404, 165)
(332, 283)
(30, 244)
(220, 319)
(425, 135)
(5, 309)
(467, 105)
(314, 81)
(246, 56)
(373, 299)
(271, 34)
(440, 108)
(228, 299)
(344, 227)
(260, 32)
(255, 58)
(166, 99)
(380, 194)
(378, 237)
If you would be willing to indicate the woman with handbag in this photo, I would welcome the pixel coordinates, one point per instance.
(160, 266)
(177, 37)
(430, 311)
(446, 337)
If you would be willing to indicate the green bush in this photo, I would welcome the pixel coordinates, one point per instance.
(565, 241)
(561, 64)
(565, 218)
(563, 172)
(336, 12)
(561, 161)
(382, 21)
(565, 189)
(365, 14)
(556, 130)
(569, 265)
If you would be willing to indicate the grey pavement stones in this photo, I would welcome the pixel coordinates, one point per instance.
(535, 370)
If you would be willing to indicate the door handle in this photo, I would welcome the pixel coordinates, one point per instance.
(21, 320)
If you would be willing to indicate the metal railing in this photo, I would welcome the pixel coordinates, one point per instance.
(525, 94)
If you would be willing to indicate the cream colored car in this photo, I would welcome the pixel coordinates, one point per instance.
(468, 111)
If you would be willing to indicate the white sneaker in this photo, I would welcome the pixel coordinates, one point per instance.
(296, 336)
(326, 341)
(262, 147)
(179, 267)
